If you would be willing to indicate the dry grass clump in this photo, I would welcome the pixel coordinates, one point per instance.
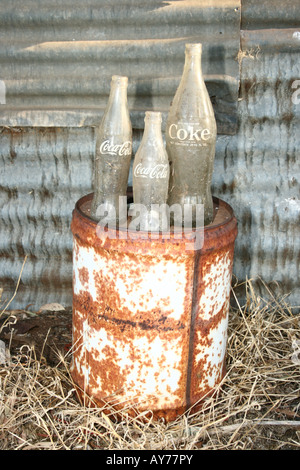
(256, 406)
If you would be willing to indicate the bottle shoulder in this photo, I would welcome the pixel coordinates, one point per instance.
(109, 126)
(193, 105)
(151, 153)
(192, 100)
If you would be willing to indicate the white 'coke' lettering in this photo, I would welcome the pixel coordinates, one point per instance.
(120, 149)
(158, 171)
(188, 134)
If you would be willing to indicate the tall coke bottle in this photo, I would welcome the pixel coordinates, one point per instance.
(113, 156)
(151, 176)
(190, 140)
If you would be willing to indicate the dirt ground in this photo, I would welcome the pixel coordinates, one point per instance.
(49, 332)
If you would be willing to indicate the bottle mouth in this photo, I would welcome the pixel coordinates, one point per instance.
(153, 116)
(193, 47)
(119, 79)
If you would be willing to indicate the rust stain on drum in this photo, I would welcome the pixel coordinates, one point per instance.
(150, 317)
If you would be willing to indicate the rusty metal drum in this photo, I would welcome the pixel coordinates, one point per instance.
(150, 315)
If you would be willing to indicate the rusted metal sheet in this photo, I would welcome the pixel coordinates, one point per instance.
(149, 315)
(57, 59)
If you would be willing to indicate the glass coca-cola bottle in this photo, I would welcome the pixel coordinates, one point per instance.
(113, 156)
(151, 176)
(190, 141)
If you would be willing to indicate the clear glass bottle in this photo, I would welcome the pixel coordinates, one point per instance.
(113, 156)
(190, 140)
(151, 176)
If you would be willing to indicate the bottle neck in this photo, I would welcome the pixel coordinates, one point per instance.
(152, 125)
(118, 92)
(118, 95)
(192, 64)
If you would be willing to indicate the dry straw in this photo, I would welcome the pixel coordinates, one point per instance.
(256, 406)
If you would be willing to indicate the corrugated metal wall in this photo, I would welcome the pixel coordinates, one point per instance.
(56, 62)
(258, 171)
(60, 57)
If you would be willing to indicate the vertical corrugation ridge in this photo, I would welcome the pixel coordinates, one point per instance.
(194, 311)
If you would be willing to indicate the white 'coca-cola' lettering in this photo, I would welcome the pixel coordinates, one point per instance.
(180, 133)
(120, 149)
(158, 171)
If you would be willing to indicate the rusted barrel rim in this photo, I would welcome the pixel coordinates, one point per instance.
(221, 232)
